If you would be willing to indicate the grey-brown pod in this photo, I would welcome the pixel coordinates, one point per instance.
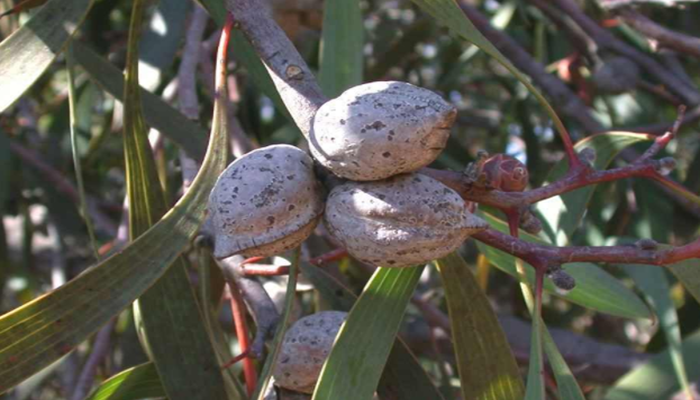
(405, 220)
(380, 129)
(304, 349)
(265, 202)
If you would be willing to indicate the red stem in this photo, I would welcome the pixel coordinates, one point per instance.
(237, 305)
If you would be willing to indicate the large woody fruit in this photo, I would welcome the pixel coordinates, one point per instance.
(405, 220)
(304, 349)
(380, 129)
(265, 202)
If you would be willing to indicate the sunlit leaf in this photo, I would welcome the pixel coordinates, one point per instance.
(342, 46)
(355, 365)
(140, 382)
(403, 377)
(485, 361)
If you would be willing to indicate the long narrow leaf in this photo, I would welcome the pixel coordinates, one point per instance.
(40, 332)
(486, 365)
(140, 382)
(403, 378)
(173, 328)
(355, 365)
(341, 47)
(26, 54)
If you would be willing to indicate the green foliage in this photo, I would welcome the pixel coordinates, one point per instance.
(76, 75)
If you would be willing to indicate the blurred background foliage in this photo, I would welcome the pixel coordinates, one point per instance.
(44, 241)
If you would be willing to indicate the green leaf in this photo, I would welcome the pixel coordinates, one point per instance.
(342, 46)
(566, 382)
(158, 114)
(595, 288)
(361, 349)
(26, 54)
(655, 287)
(403, 377)
(172, 326)
(140, 382)
(564, 213)
(535, 380)
(656, 379)
(486, 365)
(448, 13)
(41, 331)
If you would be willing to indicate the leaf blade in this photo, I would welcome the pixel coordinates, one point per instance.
(485, 361)
(355, 364)
(342, 60)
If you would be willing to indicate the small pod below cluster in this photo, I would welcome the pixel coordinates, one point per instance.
(265, 202)
(405, 220)
(304, 349)
(380, 129)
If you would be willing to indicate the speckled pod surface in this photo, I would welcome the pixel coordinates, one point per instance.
(304, 349)
(380, 129)
(265, 202)
(405, 220)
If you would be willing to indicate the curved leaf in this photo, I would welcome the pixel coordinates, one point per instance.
(40, 332)
(356, 362)
(140, 382)
(487, 368)
(26, 54)
(595, 288)
(172, 326)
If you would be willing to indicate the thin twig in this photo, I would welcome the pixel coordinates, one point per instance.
(663, 36)
(100, 349)
(607, 41)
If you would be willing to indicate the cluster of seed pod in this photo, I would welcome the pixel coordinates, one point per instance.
(376, 136)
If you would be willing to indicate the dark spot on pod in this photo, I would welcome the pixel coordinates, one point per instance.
(268, 156)
(386, 154)
(270, 220)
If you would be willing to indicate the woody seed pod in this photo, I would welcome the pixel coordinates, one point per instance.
(380, 129)
(304, 349)
(405, 220)
(265, 202)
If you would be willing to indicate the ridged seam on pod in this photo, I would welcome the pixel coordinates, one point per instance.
(304, 349)
(265, 202)
(380, 129)
(405, 220)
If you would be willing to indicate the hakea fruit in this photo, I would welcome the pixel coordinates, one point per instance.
(405, 220)
(304, 349)
(380, 129)
(265, 202)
